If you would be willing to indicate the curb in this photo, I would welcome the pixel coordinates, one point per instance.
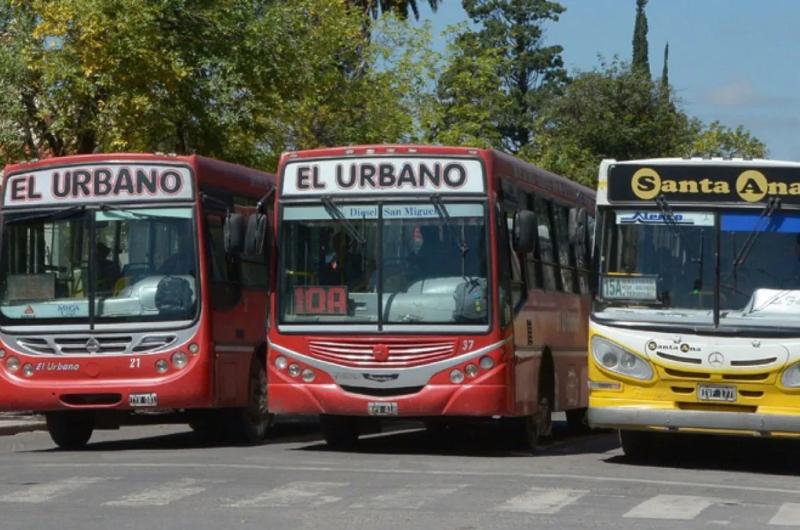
(16, 427)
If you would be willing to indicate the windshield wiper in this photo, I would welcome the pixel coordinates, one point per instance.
(335, 213)
(668, 214)
(45, 214)
(441, 211)
(772, 206)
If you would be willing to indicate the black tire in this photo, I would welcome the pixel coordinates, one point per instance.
(251, 423)
(70, 429)
(637, 445)
(340, 432)
(577, 421)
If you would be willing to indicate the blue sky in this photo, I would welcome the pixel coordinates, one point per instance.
(736, 61)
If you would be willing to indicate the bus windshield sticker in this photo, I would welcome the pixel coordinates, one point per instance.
(320, 300)
(629, 288)
(373, 175)
(634, 217)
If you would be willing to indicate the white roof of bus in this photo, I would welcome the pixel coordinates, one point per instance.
(697, 161)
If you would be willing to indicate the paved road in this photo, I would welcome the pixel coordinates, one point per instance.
(162, 477)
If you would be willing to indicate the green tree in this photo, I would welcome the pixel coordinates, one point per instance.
(236, 79)
(641, 60)
(716, 139)
(527, 71)
(401, 8)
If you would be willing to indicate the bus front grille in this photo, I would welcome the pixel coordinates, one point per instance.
(95, 344)
(396, 353)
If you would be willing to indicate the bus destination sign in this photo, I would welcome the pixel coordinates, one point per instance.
(703, 183)
(88, 184)
(383, 175)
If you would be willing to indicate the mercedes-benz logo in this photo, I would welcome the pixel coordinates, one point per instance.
(92, 346)
(716, 359)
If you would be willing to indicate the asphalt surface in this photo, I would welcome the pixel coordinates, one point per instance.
(158, 477)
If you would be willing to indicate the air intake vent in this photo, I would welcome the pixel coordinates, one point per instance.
(391, 353)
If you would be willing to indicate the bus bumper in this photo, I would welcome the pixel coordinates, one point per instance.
(641, 418)
(483, 400)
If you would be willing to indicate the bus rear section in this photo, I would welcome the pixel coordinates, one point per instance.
(394, 292)
(117, 293)
(694, 328)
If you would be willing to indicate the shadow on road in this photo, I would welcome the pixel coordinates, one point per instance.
(769, 456)
(479, 440)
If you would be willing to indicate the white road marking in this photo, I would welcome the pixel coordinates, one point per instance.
(303, 493)
(541, 500)
(50, 490)
(410, 497)
(788, 515)
(162, 495)
(671, 507)
(429, 472)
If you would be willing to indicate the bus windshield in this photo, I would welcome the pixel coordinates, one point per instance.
(142, 262)
(660, 267)
(419, 265)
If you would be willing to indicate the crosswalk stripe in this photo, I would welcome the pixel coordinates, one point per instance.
(788, 515)
(410, 497)
(541, 501)
(162, 495)
(295, 493)
(671, 507)
(45, 492)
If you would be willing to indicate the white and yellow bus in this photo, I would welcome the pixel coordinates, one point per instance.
(695, 325)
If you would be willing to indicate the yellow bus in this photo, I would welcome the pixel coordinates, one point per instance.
(695, 324)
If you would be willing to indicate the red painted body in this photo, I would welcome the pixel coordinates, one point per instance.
(555, 321)
(226, 339)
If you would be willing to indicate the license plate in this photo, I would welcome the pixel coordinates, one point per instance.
(716, 393)
(143, 400)
(382, 408)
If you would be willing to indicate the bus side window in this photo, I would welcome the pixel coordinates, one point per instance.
(518, 289)
(548, 262)
(253, 270)
(225, 287)
(579, 249)
(504, 259)
(560, 223)
(534, 276)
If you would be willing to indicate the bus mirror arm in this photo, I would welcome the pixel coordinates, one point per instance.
(524, 232)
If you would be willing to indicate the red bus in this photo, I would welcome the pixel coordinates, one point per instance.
(426, 282)
(127, 290)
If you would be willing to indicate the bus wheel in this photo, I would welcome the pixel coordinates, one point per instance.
(340, 432)
(70, 429)
(637, 445)
(250, 423)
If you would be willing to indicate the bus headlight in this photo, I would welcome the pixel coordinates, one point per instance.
(179, 359)
(791, 376)
(12, 364)
(619, 360)
(162, 366)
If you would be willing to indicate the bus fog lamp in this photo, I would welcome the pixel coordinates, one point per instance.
(294, 370)
(194, 348)
(12, 364)
(308, 375)
(457, 376)
(179, 360)
(162, 366)
(281, 363)
(487, 363)
(471, 370)
(28, 370)
(791, 376)
(2, 353)
(617, 359)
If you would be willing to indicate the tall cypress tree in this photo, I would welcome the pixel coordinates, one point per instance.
(641, 62)
(665, 70)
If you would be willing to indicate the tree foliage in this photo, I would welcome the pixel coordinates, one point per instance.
(401, 8)
(641, 57)
(237, 79)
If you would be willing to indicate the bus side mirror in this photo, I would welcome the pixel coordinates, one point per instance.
(233, 230)
(577, 226)
(255, 235)
(524, 233)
